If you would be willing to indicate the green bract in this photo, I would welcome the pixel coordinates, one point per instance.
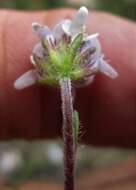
(62, 61)
(75, 126)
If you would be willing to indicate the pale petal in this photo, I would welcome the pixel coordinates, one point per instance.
(32, 60)
(51, 40)
(95, 67)
(27, 79)
(40, 30)
(92, 36)
(91, 68)
(94, 42)
(108, 70)
(86, 45)
(83, 12)
(39, 50)
(66, 26)
(89, 42)
(61, 28)
(78, 24)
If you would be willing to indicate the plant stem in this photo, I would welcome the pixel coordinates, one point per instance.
(69, 150)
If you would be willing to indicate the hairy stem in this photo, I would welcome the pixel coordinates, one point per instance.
(69, 150)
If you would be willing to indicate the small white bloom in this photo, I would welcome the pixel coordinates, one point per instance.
(66, 43)
(93, 41)
(27, 79)
(78, 23)
(58, 31)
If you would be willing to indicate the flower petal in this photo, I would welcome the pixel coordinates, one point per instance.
(92, 36)
(32, 60)
(39, 50)
(50, 41)
(61, 28)
(91, 68)
(66, 26)
(78, 24)
(27, 79)
(108, 70)
(92, 41)
(40, 30)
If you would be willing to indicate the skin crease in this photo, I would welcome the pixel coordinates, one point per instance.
(107, 107)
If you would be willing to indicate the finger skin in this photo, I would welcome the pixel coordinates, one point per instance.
(107, 107)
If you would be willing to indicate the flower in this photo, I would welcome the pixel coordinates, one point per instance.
(66, 51)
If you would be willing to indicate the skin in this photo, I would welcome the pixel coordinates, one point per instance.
(107, 107)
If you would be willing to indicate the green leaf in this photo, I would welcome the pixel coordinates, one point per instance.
(75, 45)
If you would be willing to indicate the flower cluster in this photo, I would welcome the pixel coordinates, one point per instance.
(66, 51)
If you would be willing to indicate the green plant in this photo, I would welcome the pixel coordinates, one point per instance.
(66, 56)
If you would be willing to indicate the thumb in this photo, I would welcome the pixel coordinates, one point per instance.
(106, 107)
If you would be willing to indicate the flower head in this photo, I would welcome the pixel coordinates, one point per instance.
(66, 51)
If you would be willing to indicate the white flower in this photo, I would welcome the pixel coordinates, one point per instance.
(67, 44)
(27, 79)
(76, 26)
